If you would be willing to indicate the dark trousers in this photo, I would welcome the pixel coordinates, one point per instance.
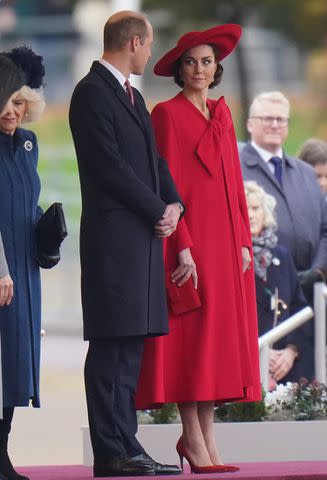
(111, 373)
(5, 426)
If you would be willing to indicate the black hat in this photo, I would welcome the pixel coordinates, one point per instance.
(11, 79)
(30, 63)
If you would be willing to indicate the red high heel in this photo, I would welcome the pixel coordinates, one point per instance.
(195, 468)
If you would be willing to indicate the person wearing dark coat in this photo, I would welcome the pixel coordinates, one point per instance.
(278, 291)
(301, 207)
(20, 316)
(11, 80)
(129, 203)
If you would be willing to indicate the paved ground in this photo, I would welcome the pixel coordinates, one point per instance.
(51, 435)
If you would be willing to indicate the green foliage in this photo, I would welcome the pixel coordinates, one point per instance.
(309, 401)
(166, 414)
(302, 20)
(242, 411)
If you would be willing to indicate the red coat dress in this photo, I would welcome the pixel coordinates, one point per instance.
(211, 353)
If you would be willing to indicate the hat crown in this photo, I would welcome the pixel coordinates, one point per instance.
(187, 37)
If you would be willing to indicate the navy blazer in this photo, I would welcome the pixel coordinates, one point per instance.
(125, 187)
(282, 274)
(301, 207)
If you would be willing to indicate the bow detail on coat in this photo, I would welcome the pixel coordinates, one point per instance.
(209, 146)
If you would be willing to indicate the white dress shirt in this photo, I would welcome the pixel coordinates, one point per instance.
(116, 73)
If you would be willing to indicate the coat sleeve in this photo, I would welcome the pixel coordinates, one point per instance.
(3, 262)
(243, 209)
(320, 260)
(92, 123)
(168, 149)
(298, 302)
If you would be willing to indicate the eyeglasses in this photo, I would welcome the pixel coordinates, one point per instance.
(267, 121)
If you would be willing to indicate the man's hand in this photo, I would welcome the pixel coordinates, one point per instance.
(168, 223)
(246, 257)
(307, 280)
(6, 290)
(185, 269)
(281, 362)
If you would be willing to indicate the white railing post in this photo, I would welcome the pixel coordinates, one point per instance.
(320, 292)
(264, 367)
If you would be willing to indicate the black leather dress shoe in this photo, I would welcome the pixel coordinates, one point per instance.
(159, 468)
(122, 466)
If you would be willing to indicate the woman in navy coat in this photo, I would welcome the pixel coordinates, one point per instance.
(20, 322)
(278, 292)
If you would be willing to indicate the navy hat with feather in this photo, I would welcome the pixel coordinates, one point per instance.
(30, 63)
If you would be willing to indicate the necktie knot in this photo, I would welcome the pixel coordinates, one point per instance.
(129, 91)
(277, 162)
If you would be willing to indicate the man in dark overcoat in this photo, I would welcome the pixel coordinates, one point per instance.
(301, 207)
(129, 203)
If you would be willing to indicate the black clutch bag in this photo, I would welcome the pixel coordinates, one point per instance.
(50, 232)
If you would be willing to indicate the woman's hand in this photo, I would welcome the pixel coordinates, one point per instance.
(246, 257)
(281, 362)
(185, 269)
(6, 290)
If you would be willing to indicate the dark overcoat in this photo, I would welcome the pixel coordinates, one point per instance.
(301, 207)
(125, 187)
(20, 322)
(282, 274)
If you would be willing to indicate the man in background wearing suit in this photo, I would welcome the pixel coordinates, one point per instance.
(301, 207)
(129, 203)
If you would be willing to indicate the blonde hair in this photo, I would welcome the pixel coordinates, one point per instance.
(272, 97)
(35, 103)
(267, 202)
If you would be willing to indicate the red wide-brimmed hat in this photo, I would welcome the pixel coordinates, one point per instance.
(224, 37)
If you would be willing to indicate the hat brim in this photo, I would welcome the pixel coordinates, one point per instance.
(224, 37)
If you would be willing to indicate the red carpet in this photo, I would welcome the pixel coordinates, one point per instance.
(249, 471)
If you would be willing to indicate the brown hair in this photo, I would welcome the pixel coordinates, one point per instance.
(117, 34)
(314, 152)
(217, 76)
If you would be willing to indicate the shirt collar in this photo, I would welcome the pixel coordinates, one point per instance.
(265, 154)
(116, 73)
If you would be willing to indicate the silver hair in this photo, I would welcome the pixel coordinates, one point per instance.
(35, 103)
(267, 202)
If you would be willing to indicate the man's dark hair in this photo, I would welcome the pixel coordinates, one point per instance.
(218, 74)
(117, 34)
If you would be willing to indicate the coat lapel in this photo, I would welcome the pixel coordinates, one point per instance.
(109, 78)
(147, 128)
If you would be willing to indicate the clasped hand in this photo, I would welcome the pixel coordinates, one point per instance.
(281, 362)
(168, 223)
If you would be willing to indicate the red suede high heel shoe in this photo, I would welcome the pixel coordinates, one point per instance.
(196, 468)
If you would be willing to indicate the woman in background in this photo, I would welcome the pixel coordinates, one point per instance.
(211, 352)
(314, 152)
(278, 291)
(20, 321)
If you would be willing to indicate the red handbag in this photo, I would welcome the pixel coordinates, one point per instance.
(181, 299)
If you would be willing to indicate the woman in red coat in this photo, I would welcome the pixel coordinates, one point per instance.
(211, 352)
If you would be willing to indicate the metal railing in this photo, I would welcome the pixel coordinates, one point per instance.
(295, 321)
